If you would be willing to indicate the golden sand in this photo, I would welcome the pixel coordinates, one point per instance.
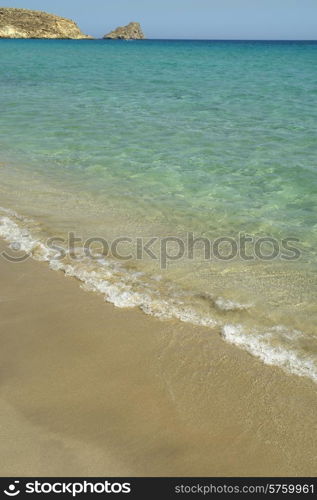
(88, 389)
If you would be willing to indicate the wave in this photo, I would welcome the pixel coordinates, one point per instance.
(126, 288)
(261, 345)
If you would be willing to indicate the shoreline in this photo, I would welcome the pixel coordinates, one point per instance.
(90, 389)
(117, 286)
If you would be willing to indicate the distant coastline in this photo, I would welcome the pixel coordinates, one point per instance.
(16, 23)
(35, 24)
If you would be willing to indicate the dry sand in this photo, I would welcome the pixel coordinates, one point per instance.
(88, 389)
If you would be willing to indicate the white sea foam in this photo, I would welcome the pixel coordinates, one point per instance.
(124, 289)
(21, 239)
(261, 345)
(117, 288)
(230, 305)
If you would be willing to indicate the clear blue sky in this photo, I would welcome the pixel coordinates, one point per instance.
(224, 19)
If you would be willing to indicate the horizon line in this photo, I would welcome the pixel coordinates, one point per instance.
(174, 39)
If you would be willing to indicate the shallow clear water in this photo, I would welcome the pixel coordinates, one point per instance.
(159, 138)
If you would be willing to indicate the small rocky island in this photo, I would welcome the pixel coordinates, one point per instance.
(25, 23)
(132, 31)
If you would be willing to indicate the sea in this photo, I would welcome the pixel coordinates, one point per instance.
(175, 176)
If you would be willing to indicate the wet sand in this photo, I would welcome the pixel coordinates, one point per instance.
(88, 389)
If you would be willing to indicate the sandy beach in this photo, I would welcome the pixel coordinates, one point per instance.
(88, 389)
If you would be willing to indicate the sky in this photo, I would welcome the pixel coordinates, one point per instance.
(197, 19)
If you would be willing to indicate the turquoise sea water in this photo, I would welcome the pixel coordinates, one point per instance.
(164, 138)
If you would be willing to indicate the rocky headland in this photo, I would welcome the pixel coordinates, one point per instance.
(25, 23)
(132, 31)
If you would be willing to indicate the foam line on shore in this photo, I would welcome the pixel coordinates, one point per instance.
(124, 288)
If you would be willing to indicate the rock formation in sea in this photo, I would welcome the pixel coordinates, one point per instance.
(132, 31)
(25, 23)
